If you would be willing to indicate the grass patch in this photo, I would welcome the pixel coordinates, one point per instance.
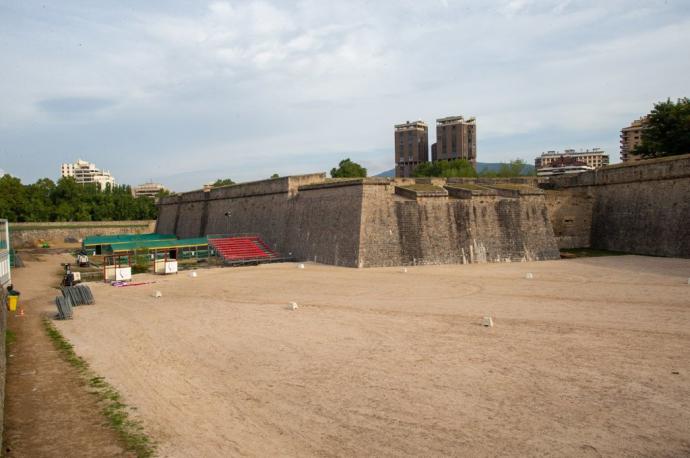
(10, 338)
(116, 412)
(423, 187)
(591, 252)
(469, 186)
(512, 186)
(38, 227)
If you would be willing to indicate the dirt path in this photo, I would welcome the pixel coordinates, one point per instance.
(48, 410)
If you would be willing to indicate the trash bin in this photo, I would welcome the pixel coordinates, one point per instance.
(12, 303)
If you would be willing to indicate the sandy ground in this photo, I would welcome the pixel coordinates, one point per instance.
(49, 411)
(590, 357)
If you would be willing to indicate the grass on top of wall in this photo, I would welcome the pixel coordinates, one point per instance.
(423, 187)
(86, 225)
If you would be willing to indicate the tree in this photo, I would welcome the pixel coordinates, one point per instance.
(446, 169)
(348, 169)
(275, 175)
(70, 201)
(162, 193)
(667, 130)
(12, 198)
(223, 182)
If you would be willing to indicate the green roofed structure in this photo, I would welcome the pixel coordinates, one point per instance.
(159, 244)
(103, 244)
(145, 251)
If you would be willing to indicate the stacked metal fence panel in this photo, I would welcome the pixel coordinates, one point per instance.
(64, 307)
(72, 296)
(78, 295)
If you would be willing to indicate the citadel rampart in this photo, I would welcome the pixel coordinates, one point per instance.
(374, 221)
(642, 208)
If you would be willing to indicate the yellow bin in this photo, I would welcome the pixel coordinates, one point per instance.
(12, 303)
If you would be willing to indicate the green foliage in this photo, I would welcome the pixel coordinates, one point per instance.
(446, 169)
(348, 169)
(515, 168)
(275, 175)
(69, 201)
(140, 268)
(223, 182)
(667, 131)
(162, 193)
(10, 337)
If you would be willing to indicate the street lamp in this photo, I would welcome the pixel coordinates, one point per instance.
(227, 215)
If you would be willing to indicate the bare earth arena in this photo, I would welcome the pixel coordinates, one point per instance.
(590, 357)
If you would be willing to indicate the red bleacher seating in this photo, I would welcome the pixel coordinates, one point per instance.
(243, 248)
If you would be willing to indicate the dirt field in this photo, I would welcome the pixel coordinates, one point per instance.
(590, 357)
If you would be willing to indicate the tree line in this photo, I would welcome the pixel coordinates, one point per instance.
(68, 200)
(666, 130)
(455, 168)
(464, 168)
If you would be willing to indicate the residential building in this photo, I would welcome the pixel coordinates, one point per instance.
(86, 172)
(631, 137)
(563, 165)
(456, 138)
(411, 147)
(594, 158)
(148, 190)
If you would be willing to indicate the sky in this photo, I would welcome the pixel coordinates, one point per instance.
(184, 92)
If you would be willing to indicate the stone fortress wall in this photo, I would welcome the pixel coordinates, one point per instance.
(640, 207)
(374, 221)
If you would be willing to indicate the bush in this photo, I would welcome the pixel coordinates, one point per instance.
(140, 268)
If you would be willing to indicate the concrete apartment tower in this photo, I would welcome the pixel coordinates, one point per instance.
(411, 147)
(456, 138)
(631, 137)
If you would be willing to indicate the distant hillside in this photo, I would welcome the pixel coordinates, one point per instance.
(495, 166)
(481, 166)
(387, 173)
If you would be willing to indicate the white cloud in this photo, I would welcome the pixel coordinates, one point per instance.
(250, 86)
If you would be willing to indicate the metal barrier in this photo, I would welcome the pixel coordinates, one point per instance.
(5, 269)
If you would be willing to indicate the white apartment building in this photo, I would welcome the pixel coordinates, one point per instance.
(148, 189)
(86, 172)
(594, 158)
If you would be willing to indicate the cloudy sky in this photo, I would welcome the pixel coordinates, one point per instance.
(184, 92)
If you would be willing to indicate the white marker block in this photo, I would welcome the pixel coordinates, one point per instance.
(300, 266)
(192, 274)
(293, 306)
(529, 276)
(157, 294)
(488, 322)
